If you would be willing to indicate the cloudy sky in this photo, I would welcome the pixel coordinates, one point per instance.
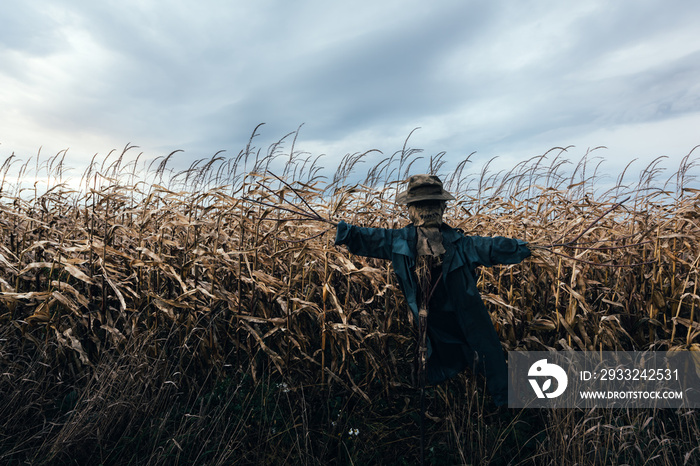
(503, 78)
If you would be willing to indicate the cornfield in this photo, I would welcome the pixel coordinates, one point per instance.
(160, 316)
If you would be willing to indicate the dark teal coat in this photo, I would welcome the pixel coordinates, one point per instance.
(460, 332)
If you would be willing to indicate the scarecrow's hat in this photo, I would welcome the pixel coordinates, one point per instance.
(423, 188)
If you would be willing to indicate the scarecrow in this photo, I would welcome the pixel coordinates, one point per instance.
(435, 265)
(436, 269)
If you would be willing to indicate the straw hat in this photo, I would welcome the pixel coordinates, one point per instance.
(423, 188)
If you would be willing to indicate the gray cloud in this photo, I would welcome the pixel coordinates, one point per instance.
(501, 78)
(29, 29)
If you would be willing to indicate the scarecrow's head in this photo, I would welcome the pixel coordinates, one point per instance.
(426, 200)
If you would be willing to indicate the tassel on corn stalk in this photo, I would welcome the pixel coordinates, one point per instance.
(574, 244)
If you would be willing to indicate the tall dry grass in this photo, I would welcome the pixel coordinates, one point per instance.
(155, 317)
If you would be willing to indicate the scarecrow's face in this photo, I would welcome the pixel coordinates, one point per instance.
(426, 213)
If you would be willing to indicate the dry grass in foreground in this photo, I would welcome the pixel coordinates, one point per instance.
(161, 319)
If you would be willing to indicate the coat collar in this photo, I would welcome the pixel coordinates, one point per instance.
(452, 259)
(404, 243)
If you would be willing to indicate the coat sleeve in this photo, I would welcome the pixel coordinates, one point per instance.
(497, 250)
(369, 242)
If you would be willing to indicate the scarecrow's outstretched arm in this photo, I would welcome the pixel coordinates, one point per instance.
(490, 251)
(368, 242)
